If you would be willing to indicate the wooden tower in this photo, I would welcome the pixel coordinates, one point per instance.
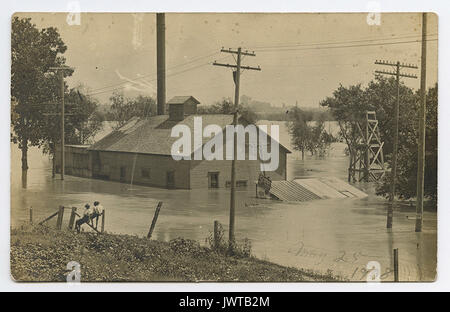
(367, 161)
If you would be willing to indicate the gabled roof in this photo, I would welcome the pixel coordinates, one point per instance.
(153, 135)
(182, 99)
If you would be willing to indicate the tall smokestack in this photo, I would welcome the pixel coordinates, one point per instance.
(161, 62)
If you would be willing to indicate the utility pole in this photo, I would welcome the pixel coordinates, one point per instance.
(397, 66)
(60, 71)
(237, 76)
(422, 119)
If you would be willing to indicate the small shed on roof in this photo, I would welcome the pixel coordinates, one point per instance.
(182, 106)
(181, 99)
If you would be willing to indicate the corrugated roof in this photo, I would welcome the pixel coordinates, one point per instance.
(182, 99)
(153, 135)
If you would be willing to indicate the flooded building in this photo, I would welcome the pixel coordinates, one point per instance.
(140, 153)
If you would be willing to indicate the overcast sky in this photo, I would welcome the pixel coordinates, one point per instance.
(304, 57)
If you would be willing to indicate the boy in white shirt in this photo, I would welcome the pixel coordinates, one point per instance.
(98, 210)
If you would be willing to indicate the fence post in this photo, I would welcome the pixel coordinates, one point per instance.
(396, 265)
(72, 218)
(216, 234)
(60, 217)
(103, 220)
(155, 218)
(31, 214)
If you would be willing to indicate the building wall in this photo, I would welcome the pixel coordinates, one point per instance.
(190, 107)
(280, 173)
(176, 112)
(152, 169)
(246, 170)
(110, 165)
(77, 161)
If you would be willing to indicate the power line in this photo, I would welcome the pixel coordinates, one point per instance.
(167, 76)
(153, 73)
(292, 49)
(346, 46)
(337, 42)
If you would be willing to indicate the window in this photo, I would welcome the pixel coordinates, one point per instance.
(145, 173)
(213, 179)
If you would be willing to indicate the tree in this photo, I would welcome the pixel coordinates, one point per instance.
(320, 140)
(226, 106)
(85, 121)
(123, 109)
(349, 104)
(407, 156)
(301, 133)
(33, 52)
(82, 122)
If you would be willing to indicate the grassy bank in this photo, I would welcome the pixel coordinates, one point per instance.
(39, 253)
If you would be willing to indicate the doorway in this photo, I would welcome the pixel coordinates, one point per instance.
(122, 174)
(170, 179)
(213, 179)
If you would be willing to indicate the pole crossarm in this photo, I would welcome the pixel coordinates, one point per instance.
(235, 66)
(237, 52)
(395, 74)
(395, 64)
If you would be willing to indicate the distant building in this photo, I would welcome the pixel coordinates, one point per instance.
(140, 151)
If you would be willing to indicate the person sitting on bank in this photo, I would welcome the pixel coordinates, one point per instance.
(98, 211)
(85, 219)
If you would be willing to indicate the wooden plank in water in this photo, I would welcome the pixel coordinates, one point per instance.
(343, 187)
(291, 191)
(319, 188)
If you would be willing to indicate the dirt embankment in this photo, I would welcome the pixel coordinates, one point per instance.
(39, 253)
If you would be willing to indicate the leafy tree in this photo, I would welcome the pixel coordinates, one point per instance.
(33, 52)
(320, 139)
(226, 106)
(406, 184)
(82, 122)
(123, 109)
(308, 134)
(85, 121)
(303, 135)
(349, 104)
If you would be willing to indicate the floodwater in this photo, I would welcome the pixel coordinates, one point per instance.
(341, 235)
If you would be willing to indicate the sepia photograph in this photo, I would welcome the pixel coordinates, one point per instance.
(223, 147)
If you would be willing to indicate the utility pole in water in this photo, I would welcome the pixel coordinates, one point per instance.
(422, 120)
(397, 66)
(237, 77)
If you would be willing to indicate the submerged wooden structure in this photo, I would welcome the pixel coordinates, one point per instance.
(367, 160)
(302, 190)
